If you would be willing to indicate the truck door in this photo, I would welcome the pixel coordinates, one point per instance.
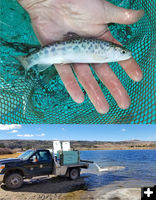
(42, 163)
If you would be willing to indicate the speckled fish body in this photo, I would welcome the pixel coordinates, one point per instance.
(80, 50)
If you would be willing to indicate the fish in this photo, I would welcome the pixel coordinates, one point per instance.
(76, 50)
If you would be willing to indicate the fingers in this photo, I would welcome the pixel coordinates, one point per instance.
(130, 66)
(121, 15)
(91, 86)
(132, 69)
(70, 82)
(110, 80)
(89, 83)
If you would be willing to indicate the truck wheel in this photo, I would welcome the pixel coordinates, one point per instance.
(74, 173)
(14, 181)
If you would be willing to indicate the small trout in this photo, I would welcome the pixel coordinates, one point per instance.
(79, 50)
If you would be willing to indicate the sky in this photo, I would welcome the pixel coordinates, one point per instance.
(78, 132)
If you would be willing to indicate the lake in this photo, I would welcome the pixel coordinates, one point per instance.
(140, 167)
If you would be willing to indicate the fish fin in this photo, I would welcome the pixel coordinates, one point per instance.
(33, 49)
(71, 35)
(23, 61)
(42, 67)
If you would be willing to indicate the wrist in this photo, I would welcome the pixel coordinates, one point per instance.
(28, 4)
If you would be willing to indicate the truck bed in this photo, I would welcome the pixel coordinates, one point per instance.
(61, 170)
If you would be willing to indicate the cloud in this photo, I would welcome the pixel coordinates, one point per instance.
(14, 131)
(123, 129)
(63, 129)
(25, 135)
(28, 135)
(41, 135)
(7, 127)
(31, 135)
(152, 137)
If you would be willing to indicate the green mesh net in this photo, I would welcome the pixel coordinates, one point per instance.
(42, 98)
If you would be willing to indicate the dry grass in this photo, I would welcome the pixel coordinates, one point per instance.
(78, 195)
(14, 155)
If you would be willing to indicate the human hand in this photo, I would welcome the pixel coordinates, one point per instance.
(52, 19)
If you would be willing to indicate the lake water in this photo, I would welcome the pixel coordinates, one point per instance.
(140, 167)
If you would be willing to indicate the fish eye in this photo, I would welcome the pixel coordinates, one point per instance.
(123, 51)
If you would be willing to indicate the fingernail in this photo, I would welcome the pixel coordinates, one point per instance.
(103, 110)
(125, 105)
(138, 76)
(78, 99)
(141, 13)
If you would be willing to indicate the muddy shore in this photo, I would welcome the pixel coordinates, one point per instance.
(59, 188)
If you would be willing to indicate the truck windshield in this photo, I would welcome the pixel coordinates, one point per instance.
(26, 155)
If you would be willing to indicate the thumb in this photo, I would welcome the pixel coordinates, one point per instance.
(121, 15)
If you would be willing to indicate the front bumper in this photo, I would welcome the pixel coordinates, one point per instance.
(1, 178)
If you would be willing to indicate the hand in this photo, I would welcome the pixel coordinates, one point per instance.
(52, 19)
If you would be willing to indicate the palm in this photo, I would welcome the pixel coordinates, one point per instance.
(53, 19)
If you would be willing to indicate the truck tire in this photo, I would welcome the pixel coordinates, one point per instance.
(74, 173)
(14, 181)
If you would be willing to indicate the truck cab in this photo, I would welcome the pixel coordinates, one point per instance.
(39, 162)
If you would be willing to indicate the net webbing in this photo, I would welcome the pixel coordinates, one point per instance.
(43, 98)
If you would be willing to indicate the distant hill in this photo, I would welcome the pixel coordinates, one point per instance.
(79, 145)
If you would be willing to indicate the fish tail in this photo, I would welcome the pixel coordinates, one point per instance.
(23, 61)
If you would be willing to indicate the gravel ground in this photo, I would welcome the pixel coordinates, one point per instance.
(59, 188)
(45, 188)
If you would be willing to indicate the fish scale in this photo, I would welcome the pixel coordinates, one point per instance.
(81, 50)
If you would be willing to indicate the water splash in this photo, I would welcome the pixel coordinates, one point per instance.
(109, 168)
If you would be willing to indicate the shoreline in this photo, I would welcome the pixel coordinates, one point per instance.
(57, 189)
(15, 155)
(87, 149)
(119, 190)
(80, 145)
